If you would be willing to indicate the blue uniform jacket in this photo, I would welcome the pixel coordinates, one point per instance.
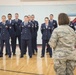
(17, 27)
(46, 32)
(53, 24)
(26, 31)
(4, 29)
(11, 28)
(36, 27)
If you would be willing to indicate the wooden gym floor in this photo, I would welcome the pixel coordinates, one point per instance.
(26, 66)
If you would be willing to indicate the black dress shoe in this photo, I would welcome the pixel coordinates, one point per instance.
(24, 53)
(42, 56)
(9, 56)
(14, 54)
(50, 56)
(1, 55)
(6, 54)
(30, 56)
(36, 51)
(21, 56)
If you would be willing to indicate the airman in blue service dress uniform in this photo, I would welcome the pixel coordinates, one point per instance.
(53, 23)
(17, 23)
(32, 32)
(32, 26)
(26, 37)
(46, 31)
(10, 22)
(35, 29)
(5, 36)
(0, 41)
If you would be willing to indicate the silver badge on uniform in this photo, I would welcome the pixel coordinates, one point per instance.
(22, 26)
(16, 24)
(43, 28)
(10, 27)
(12, 23)
(49, 28)
(6, 26)
(54, 23)
(71, 25)
(35, 25)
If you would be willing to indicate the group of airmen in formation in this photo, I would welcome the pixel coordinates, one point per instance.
(26, 32)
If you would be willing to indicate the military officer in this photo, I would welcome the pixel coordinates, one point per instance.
(46, 31)
(26, 37)
(10, 22)
(36, 27)
(4, 36)
(63, 42)
(17, 23)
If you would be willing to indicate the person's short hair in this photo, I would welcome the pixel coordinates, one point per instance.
(3, 16)
(63, 19)
(46, 18)
(33, 15)
(29, 15)
(16, 14)
(51, 15)
(10, 14)
(25, 16)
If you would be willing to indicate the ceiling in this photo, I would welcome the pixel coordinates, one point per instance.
(45, 0)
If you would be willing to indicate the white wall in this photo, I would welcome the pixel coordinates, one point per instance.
(40, 10)
(18, 2)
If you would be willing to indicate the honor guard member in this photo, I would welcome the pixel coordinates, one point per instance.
(26, 37)
(36, 27)
(17, 23)
(10, 22)
(5, 36)
(32, 33)
(46, 31)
